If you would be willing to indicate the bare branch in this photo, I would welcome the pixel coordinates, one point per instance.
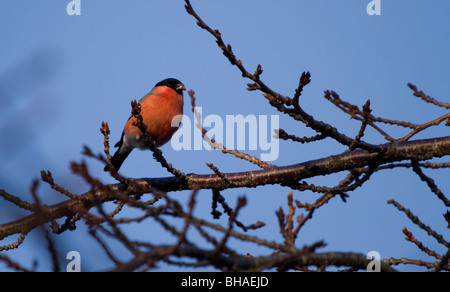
(427, 98)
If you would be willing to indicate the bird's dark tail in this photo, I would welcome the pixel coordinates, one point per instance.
(118, 158)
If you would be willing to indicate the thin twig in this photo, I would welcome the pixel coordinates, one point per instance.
(427, 98)
(419, 223)
(430, 182)
(150, 143)
(216, 145)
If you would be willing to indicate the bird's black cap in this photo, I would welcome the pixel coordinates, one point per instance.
(173, 83)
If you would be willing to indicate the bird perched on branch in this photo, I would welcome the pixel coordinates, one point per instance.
(158, 110)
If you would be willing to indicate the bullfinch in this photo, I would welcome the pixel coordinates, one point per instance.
(160, 109)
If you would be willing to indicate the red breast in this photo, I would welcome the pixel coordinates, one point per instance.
(158, 109)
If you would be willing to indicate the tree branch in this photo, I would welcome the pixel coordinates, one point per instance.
(418, 150)
(229, 263)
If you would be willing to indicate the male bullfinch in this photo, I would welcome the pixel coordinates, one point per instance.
(158, 108)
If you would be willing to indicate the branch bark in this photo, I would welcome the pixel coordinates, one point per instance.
(418, 150)
(229, 263)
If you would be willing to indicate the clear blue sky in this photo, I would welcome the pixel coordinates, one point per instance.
(61, 75)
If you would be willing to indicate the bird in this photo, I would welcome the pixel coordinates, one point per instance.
(159, 108)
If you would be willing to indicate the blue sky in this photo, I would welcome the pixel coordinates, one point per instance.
(61, 76)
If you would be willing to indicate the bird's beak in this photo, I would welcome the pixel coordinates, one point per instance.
(181, 87)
